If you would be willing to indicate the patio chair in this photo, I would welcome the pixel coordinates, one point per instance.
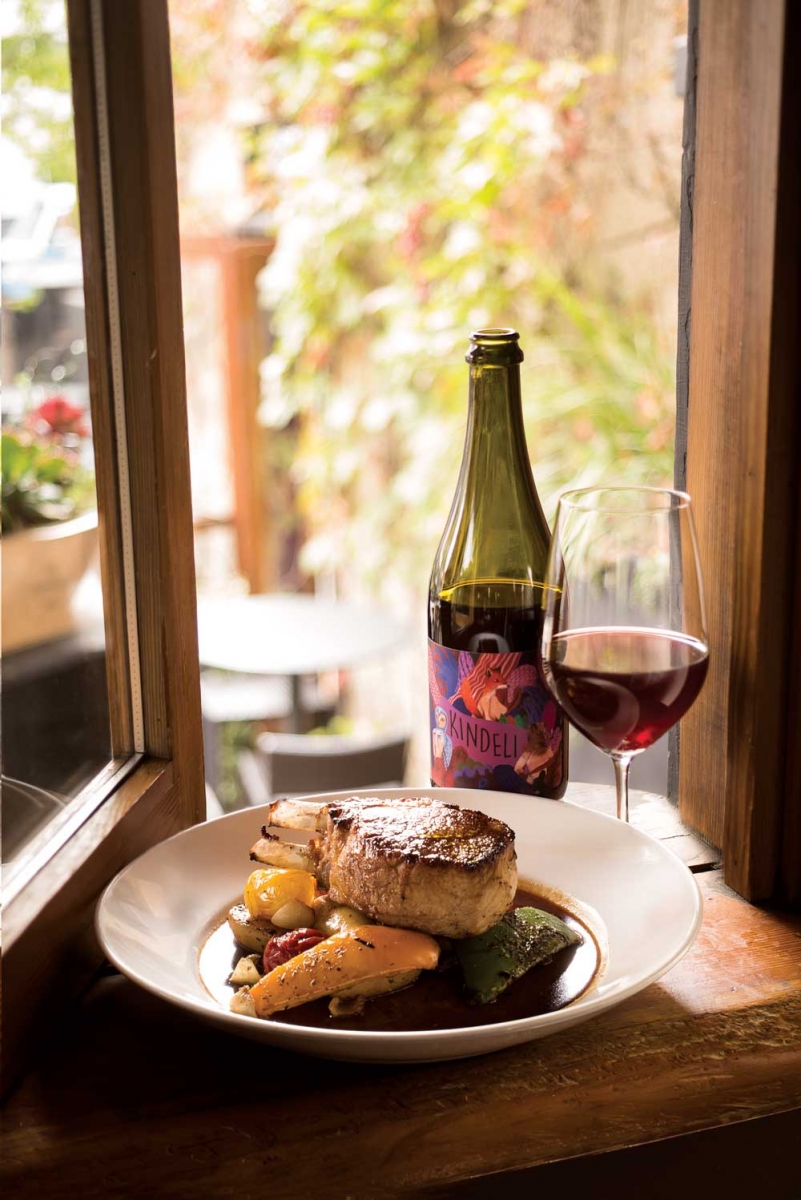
(291, 764)
(234, 697)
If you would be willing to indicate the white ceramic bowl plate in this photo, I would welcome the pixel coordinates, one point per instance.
(153, 919)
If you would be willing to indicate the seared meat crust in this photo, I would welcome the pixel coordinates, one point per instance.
(418, 863)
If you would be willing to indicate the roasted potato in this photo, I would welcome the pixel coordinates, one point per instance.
(339, 918)
(251, 933)
(246, 972)
(351, 1000)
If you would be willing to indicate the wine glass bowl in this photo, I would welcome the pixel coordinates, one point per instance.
(624, 648)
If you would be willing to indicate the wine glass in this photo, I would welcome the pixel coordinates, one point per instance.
(624, 646)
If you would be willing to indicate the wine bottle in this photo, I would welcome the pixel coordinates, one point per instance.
(493, 723)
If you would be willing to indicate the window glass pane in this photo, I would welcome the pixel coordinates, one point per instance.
(55, 717)
(410, 171)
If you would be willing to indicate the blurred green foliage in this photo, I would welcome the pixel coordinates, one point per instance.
(422, 170)
(37, 96)
(41, 483)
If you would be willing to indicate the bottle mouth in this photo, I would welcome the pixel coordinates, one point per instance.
(494, 347)
(494, 336)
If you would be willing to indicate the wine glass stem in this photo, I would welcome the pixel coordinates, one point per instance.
(622, 763)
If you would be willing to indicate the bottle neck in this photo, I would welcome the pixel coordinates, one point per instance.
(496, 463)
(495, 544)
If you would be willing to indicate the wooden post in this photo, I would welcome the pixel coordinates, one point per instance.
(742, 451)
(239, 261)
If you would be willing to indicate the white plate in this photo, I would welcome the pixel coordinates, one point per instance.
(152, 920)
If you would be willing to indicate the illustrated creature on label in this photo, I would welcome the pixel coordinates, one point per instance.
(493, 724)
(441, 744)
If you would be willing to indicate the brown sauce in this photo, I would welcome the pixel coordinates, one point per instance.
(435, 1001)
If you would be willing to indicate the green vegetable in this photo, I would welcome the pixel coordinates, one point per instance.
(524, 938)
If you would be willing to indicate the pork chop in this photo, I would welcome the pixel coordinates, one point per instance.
(415, 862)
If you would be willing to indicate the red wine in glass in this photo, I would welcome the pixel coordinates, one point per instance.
(624, 643)
(624, 687)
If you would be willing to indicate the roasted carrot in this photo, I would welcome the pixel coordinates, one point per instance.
(338, 962)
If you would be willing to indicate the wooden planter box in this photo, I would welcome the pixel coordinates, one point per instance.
(41, 569)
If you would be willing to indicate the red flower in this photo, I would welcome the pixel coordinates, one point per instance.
(60, 416)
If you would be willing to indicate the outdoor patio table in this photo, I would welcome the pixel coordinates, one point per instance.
(292, 636)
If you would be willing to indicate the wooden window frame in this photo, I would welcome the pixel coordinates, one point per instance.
(125, 151)
(738, 439)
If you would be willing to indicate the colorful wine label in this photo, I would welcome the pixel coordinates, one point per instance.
(493, 722)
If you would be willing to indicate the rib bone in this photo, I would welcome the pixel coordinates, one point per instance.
(298, 814)
(271, 851)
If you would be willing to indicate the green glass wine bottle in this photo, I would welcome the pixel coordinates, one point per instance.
(493, 723)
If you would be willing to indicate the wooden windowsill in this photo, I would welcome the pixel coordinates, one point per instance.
(133, 1098)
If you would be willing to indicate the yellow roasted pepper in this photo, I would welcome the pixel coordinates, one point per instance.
(269, 889)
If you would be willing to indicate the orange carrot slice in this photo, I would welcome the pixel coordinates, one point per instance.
(339, 962)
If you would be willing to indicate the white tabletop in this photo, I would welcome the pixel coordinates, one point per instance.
(283, 634)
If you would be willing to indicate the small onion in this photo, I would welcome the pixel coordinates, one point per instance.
(293, 915)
